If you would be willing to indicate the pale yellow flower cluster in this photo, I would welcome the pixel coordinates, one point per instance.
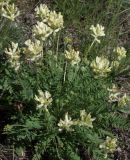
(51, 18)
(42, 12)
(44, 99)
(72, 56)
(109, 146)
(116, 96)
(42, 31)
(113, 97)
(101, 66)
(9, 11)
(50, 22)
(67, 123)
(33, 50)
(124, 100)
(113, 94)
(13, 53)
(97, 31)
(55, 21)
(85, 119)
(119, 54)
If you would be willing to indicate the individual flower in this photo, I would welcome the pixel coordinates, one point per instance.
(10, 11)
(121, 53)
(42, 11)
(42, 31)
(13, 53)
(66, 124)
(113, 97)
(114, 94)
(44, 99)
(113, 89)
(33, 49)
(101, 66)
(55, 21)
(72, 56)
(110, 145)
(85, 119)
(123, 101)
(97, 31)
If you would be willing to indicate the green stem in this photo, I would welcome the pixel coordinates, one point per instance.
(65, 71)
(91, 46)
(57, 150)
(57, 48)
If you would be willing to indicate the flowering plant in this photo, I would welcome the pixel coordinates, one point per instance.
(62, 95)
